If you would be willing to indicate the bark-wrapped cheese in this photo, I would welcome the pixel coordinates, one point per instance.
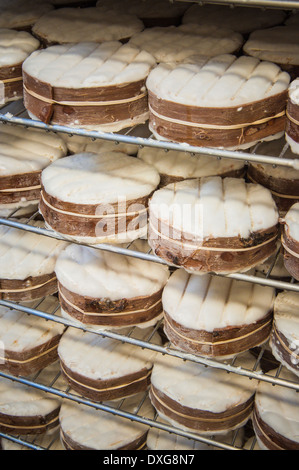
(150, 12)
(213, 224)
(292, 122)
(223, 101)
(282, 181)
(85, 428)
(284, 339)
(27, 410)
(174, 166)
(24, 153)
(178, 44)
(98, 86)
(98, 198)
(22, 14)
(29, 342)
(106, 290)
(216, 317)
(27, 262)
(279, 44)
(101, 368)
(290, 240)
(74, 25)
(77, 144)
(275, 416)
(15, 47)
(201, 399)
(241, 19)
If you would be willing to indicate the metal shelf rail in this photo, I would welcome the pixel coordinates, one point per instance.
(15, 113)
(281, 4)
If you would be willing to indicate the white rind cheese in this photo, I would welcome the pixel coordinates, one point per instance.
(213, 207)
(208, 302)
(178, 44)
(24, 254)
(99, 274)
(222, 81)
(104, 178)
(68, 25)
(28, 150)
(15, 46)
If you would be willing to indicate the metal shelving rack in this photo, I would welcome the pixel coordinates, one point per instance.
(15, 114)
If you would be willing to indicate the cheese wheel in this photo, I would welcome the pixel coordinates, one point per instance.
(292, 122)
(15, 47)
(213, 403)
(24, 153)
(27, 262)
(216, 317)
(85, 428)
(25, 410)
(102, 368)
(98, 198)
(174, 166)
(224, 101)
(275, 416)
(22, 14)
(278, 44)
(282, 181)
(73, 25)
(290, 240)
(89, 85)
(29, 342)
(106, 290)
(284, 340)
(176, 44)
(213, 224)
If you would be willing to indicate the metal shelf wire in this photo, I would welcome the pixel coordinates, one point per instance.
(15, 114)
(280, 4)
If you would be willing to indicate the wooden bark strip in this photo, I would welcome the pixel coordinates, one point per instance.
(11, 197)
(221, 243)
(250, 113)
(215, 137)
(282, 186)
(283, 347)
(84, 226)
(200, 420)
(70, 444)
(285, 192)
(98, 311)
(121, 208)
(169, 179)
(220, 342)
(28, 289)
(20, 181)
(198, 260)
(29, 424)
(9, 72)
(225, 116)
(290, 253)
(107, 389)
(292, 126)
(31, 361)
(269, 437)
(88, 114)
